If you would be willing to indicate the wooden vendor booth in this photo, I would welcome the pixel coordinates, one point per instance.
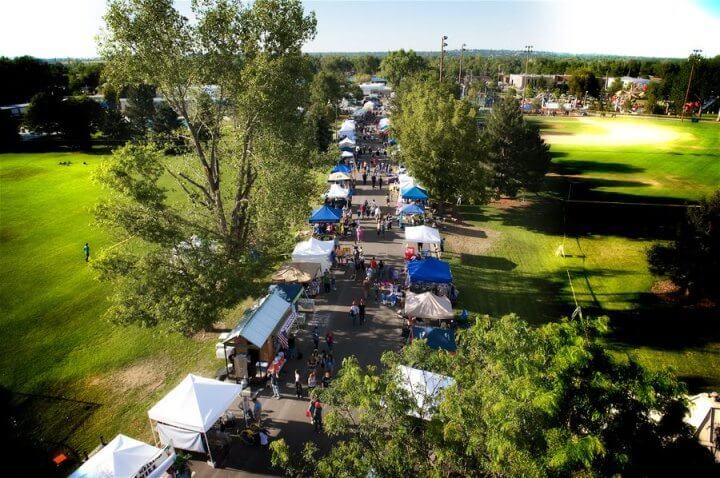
(253, 347)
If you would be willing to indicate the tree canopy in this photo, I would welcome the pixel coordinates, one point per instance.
(401, 64)
(533, 402)
(237, 76)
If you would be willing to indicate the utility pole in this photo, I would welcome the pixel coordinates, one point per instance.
(694, 56)
(442, 55)
(528, 51)
(462, 51)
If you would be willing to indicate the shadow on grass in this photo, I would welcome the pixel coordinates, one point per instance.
(581, 167)
(487, 262)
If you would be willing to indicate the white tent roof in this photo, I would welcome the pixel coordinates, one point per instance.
(428, 306)
(424, 234)
(384, 123)
(123, 457)
(346, 142)
(337, 191)
(195, 404)
(405, 180)
(369, 105)
(347, 125)
(347, 154)
(425, 387)
(314, 250)
(698, 409)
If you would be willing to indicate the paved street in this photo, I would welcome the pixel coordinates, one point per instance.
(285, 418)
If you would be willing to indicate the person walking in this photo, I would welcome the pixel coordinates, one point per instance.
(86, 250)
(275, 384)
(257, 409)
(387, 199)
(316, 415)
(377, 227)
(330, 364)
(380, 181)
(361, 310)
(298, 384)
(359, 234)
(316, 337)
(312, 381)
(364, 176)
(354, 312)
(329, 340)
(374, 180)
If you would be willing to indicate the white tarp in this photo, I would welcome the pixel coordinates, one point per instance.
(314, 250)
(346, 155)
(195, 404)
(425, 387)
(124, 457)
(179, 438)
(337, 192)
(428, 306)
(346, 142)
(424, 234)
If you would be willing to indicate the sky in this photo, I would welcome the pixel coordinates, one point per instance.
(663, 28)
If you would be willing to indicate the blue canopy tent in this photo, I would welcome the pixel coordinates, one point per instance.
(341, 168)
(412, 209)
(437, 338)
(414, 193)
(429, 270)
(290, 292)
(326, 214)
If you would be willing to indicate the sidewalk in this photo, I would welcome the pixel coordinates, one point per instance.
(285, 418)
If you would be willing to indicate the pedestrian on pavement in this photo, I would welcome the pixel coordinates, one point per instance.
(292, 341)
(326, 283)
(374, 180)
(298, 384)
(257, 409)
(333, 283)
(361, 308)
(316, 337)
(382, 227)
(330, 364)
(312, 381)
(86, 250)
(329, 340)
(387, 199)
(275, 384)
(326, 380)
(354, 312)
(378, 213)
(377, 227)
(316, 415)
(364, 176)
(380, 181)
(359, 234)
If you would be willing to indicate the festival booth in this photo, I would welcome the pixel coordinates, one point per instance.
(253, 345)
(185, 417)
(341, 168)
(422, 235)
(384, 125)
(346, 144)
(369, 106)
(429, 270)
(413, 193)
(360, 113)
(438, 338)
(346, 155)
(325, 214)
(412, 209)
(337, 192)
(428, 306)
(315, 251)
(338, 177)
(425, 388)
(125, 457)
(297, 272)
(347, 129)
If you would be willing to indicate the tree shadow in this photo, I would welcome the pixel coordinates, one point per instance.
(582, 167)
(487, 262)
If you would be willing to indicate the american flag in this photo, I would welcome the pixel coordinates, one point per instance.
(283, 339)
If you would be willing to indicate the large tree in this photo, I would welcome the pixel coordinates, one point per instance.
(516, 154)
(73, 119)
(237, 76)
(439, 137)
(693, 259)
(140, 109)
(584, 82)
(532, 402)
(401, 64)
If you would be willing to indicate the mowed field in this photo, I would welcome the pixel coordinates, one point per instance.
(510, 263)
(85, 377)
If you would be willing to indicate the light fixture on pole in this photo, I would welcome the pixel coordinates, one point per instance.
(695, 55)
(462, 51)
(442, 54)
(528, 51)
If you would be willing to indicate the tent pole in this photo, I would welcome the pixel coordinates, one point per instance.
(209, 451)
(152, 430)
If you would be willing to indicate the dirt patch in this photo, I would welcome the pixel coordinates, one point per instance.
(666, 290)
(469, 240)
(510, 203)
(147, 374)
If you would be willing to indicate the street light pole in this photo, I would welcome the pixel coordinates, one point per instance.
(442, 55)
(528, 51)
(694, 56)
(462, 50)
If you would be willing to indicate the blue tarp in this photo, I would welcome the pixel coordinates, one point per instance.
(341, 168)
(412, 209)
(414, 193)
(429, 270)
(436, 337)
(326, 214)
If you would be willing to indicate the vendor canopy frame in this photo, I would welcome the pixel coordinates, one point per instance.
(428, 306)
(314, 250)
(424, 234)
(338, 176)
(429, 270)
(410, 209)
(325, 214)
(299, 272)
(337, 192)
(414, 193)
(125, 457)
(195, 404)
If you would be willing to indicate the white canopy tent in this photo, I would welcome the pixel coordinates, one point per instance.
(405, 180)
(424, 234)
(337, 192)
(314, 250)
(369, 105)
(125, 457)
(346, 155)
(425, 388)
(383, 124)
(428, 306)
(338, 177)
(346, 142)
(188, 411)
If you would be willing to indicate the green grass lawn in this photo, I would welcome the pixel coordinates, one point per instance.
(55, 341)
(511, 264)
